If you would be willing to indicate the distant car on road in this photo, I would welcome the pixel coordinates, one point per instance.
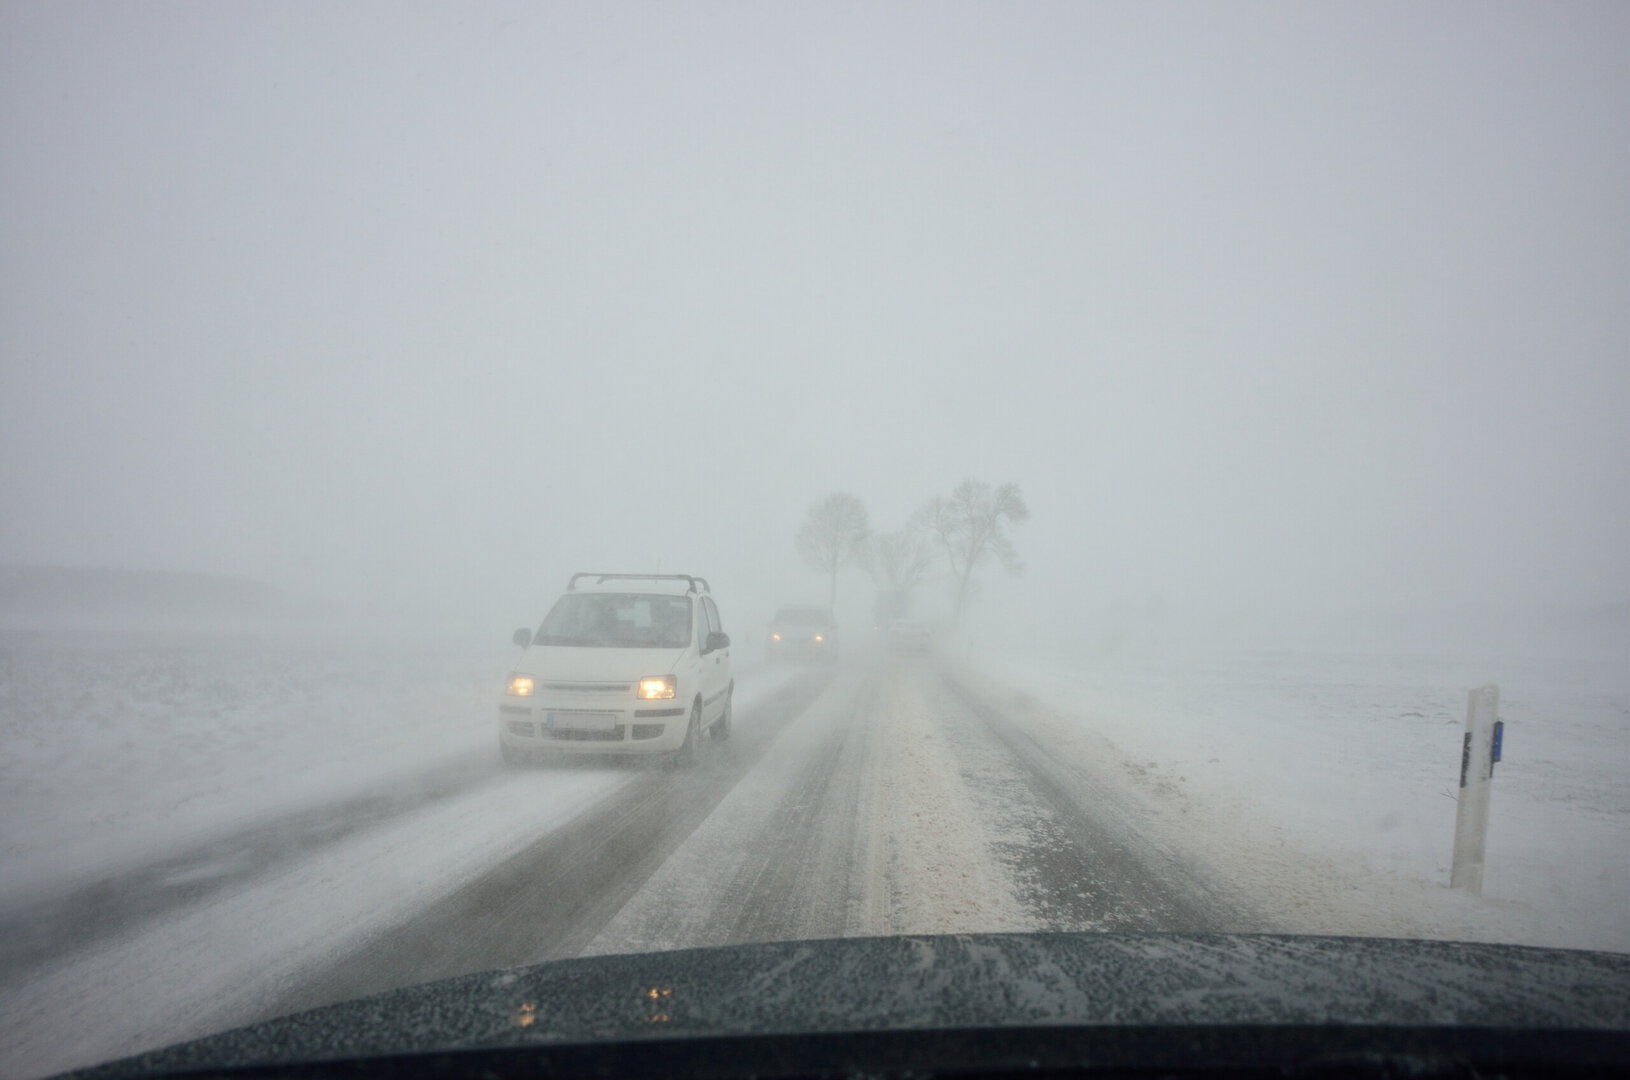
(911, 637)
(622, 664)
(802, 632)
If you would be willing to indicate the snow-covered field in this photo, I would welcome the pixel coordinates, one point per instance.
(1325, 783)
(120, 748)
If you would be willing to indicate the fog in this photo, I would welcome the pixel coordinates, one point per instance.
(1272, 310)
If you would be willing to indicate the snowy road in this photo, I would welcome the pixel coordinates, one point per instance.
(877, 798)
(899, 803)
(881, 801)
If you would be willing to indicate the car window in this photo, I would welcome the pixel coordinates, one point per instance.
(804, 617)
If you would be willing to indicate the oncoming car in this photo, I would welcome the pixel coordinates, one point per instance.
(911, 637)
(802, 632)
(622, 664)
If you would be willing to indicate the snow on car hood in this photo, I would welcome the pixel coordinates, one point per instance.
(948, 982)
(571, 664)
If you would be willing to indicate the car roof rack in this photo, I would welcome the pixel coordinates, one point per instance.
(697, 584)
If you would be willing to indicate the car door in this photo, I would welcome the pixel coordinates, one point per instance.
(715, 664)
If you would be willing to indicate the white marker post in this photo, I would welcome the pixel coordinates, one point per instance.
(1478, 753)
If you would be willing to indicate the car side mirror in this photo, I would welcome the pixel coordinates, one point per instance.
(522, 637)
(718, 639)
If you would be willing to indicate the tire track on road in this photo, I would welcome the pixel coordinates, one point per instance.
(805, 884)
(1081, 860)
(902, 803)
(858, 824)
(774, 859)
(54, 926)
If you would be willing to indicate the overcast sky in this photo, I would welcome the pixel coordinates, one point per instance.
(426, 306)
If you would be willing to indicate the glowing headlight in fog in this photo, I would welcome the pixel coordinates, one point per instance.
(656, 687)
(520, 686)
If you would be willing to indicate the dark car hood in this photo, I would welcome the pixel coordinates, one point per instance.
(946, 982)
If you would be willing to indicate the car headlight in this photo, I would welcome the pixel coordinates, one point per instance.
(657, 687)
(775, 637)
(520, 686)
(820, 638)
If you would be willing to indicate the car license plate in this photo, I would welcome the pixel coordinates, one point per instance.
(579, 721)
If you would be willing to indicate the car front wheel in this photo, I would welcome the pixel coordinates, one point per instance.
(687, 752)
(720, 731)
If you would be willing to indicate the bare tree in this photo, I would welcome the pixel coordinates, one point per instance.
(971, 525)
(831, 536)
(896, 562)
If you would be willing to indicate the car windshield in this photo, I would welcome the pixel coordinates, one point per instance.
(617, 620)
(487, 483)
(804, 617)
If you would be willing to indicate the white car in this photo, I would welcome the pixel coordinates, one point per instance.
(622, 664)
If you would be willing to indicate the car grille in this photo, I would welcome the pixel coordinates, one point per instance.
(578, 735)
(521, 727)
(589, 687)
